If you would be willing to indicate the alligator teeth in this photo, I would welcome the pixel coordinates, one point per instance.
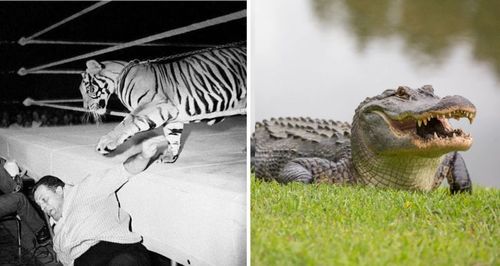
(471, 119)
(454, 135)
(425, 121)
(419, 122)
(429, 118)
(435, 135)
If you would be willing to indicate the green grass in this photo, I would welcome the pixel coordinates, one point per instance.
(298, 224)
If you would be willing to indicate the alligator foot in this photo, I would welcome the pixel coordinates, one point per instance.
(458, 177)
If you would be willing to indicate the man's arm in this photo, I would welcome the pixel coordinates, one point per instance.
(139, 162)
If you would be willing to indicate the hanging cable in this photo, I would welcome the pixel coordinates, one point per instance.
(167, 34)
(24, 40)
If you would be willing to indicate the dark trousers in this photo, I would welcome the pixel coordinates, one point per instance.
(7, 184)
(16, 202)
(114, 254)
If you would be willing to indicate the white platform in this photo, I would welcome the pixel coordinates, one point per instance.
(194, 209)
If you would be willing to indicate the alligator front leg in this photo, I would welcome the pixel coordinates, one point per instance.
(316, 170)
(143, 118)
(458, 176)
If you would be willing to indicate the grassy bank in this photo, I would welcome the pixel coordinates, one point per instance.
(299, 224)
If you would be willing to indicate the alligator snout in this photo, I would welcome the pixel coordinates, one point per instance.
(455, 102)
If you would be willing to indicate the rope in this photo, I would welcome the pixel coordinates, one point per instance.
(48, 71)
(78, 72)
(23, 40)
(116, 43)
(29, 101)
(170, 33)
(61, 101)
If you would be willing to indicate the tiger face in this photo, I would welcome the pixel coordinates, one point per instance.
(95, 94)
(98, 83)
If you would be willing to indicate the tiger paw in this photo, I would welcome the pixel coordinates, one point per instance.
(109, 142)
(168, 157)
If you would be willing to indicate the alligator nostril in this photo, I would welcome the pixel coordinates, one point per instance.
(102, 103)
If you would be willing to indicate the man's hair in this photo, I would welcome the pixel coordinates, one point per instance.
(50, 182)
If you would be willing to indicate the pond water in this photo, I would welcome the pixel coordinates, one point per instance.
(321, 58)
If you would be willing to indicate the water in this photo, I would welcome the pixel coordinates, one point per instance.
(321, 58)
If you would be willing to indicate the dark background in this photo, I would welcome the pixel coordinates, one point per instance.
(114, 22)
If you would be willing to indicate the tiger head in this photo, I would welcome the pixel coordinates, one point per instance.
(98, 83)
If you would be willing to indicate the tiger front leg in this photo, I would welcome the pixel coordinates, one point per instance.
(146, 117)
(173, 133)
(118, 135)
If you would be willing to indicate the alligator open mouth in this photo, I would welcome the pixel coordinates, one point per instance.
(431, 129)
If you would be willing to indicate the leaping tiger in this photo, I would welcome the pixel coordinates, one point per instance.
(156, 93)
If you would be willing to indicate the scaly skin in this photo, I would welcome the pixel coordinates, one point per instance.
(398, 139)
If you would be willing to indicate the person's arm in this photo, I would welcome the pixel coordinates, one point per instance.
(139, 162)
(111, 179)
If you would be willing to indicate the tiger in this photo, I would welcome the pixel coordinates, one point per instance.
(159, 93)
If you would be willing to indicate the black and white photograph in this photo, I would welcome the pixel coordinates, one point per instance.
(123, 137)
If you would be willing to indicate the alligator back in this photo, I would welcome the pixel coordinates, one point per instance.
(280, 140)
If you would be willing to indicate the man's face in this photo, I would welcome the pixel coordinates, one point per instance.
(50, 201)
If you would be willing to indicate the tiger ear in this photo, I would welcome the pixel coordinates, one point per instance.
(93, 66)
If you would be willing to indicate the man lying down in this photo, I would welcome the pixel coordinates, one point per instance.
(90, 227)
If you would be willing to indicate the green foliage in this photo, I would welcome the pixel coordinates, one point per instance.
(298, 224)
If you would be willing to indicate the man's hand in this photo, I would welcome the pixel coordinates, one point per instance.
(150, 146)
(139, 162)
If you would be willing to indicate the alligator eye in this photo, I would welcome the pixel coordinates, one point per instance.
(401, 93)
(428, 89)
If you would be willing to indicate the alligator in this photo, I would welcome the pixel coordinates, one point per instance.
(399, 139)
